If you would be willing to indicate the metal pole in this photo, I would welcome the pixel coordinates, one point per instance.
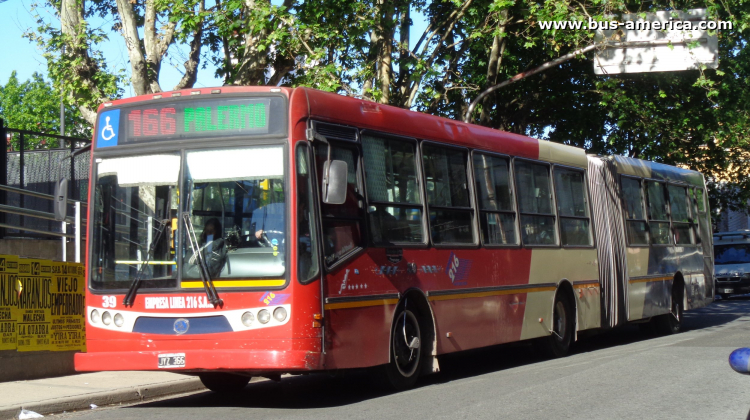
(3, 171)
(64, 242)
(78, 231)
(72, 183)
(21, 175)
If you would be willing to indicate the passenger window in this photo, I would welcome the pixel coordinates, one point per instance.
(657, 211)
(696, 198)
(680, 215)
(535, 203)
(342, 223)
(635, 217)
(395, 211)
(699, 199)
(307, 252)
(572, 207)
(446, 180)
(495, 195)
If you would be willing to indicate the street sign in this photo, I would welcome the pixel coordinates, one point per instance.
(682, 40)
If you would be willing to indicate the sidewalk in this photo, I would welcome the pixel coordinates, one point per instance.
(78, 392)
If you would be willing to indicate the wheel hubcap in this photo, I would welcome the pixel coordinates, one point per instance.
(561, 323)
(406, 344)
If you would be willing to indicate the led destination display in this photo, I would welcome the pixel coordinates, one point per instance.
(186, 119)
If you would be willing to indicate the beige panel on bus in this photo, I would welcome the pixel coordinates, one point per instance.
(550, 266)
(562, 154)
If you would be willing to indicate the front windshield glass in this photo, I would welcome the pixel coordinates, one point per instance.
(134, 198)
(237, 206)
(732, 254)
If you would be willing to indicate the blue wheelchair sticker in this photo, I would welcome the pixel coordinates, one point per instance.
(109, 127)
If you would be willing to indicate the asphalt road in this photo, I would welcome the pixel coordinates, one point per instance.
(615, 375)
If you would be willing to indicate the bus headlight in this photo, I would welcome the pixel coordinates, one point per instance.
(264, 316)
(119, 320)
(280, 314)
(106, 318)
(95, 317)
(248, 318)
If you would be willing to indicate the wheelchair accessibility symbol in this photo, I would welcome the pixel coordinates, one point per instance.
(109, 125)
(108, 132)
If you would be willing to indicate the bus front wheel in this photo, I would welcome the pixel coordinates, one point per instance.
(406, 351)
(224, 382)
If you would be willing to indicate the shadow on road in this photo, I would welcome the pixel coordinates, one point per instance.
(323, 390)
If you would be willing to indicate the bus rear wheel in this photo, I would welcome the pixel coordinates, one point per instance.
(224, 382)
(406, 352)
(671, 323)
(559, 342)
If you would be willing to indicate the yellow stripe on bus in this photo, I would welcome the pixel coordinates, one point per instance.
(360, 304)
(492, 293)
(649, 279)
(149, 263)
(234, 283)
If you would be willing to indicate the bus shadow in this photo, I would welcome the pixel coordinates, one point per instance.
(350, 387)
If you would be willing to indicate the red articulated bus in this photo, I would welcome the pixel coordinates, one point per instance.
(257, 231)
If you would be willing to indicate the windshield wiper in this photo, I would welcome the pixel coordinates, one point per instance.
(208, 284)
(130, 296)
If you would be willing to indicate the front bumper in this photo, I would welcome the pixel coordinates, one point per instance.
(735, 287)
(204, 360)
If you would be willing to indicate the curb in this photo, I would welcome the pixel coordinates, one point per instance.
(105, 398)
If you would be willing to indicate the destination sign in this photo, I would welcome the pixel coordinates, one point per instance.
(188, 119)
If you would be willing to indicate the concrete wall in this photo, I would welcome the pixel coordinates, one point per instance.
(19, 366)
(15, 365)
(48, 249)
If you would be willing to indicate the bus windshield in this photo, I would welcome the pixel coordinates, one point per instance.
(732, 254)
(236, 202)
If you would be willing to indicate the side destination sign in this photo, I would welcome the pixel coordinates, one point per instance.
(188, 118)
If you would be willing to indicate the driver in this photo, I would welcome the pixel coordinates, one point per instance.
(211, 232)
(268, 222)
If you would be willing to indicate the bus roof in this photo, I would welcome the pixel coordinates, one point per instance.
(360, 113)
(658, 171)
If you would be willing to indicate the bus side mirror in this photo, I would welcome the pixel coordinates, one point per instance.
(61, 200)
(335, 174)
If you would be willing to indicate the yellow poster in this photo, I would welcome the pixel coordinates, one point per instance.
(8, 301)
(34, 314)
(68, 308)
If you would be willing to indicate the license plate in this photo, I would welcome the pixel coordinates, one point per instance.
(171, 360)
(728, 290)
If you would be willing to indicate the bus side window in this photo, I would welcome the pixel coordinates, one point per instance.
(446, 174)
(572, 207)
(698, 212)
(342, 223)
(495, 196)
(535, 203)
(657, 213)
(395, 204)
(307, 252)
(680, 215)
(635, 216)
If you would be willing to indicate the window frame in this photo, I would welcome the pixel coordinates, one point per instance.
(644, 208)
(554, 214)
(691, 223)
(472, 209)
(589, 209)
(514, 200)
(349, 255)
(648, 212)
(314, 211)
(418, 169)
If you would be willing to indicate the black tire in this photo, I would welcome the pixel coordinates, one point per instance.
(224, 382)
(559, 342)
(671, 323)
(406, 354)
(724, 296)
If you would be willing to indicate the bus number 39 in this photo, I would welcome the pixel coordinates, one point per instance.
(109, 302)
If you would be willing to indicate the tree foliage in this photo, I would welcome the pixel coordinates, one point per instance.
(366, 48)
(34, 105)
